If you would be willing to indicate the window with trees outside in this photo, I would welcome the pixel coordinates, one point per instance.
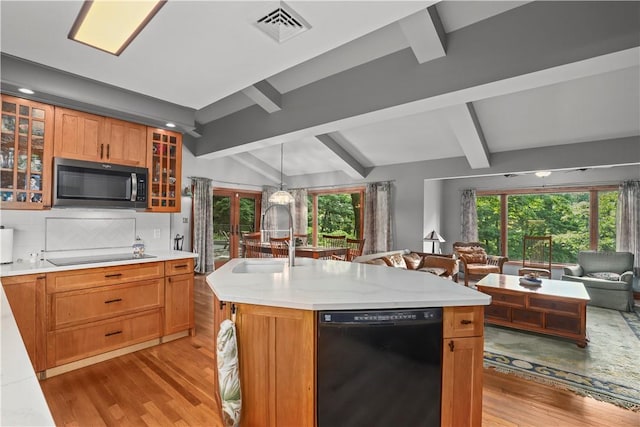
(578, 219)
(337, 212)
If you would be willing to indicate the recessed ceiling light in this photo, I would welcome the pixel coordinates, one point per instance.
(25, 90)
(111, 25)
(171, 125)
(542, 174)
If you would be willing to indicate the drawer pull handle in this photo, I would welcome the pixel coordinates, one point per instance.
(113, 275)
(108, 334)
(109, 301)
(466, 322)
(451, 345)
(181, 266)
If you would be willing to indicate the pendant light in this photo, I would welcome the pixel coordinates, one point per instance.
(281, 197)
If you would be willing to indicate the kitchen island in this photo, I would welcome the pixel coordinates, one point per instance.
(277, 309)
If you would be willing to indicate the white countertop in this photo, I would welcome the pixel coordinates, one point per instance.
(338, 285)
(26, 267)
(23, 403)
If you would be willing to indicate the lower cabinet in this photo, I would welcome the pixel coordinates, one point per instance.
(26, 296)
(276, 348)
(462, 366)
(94, 311)
(178, 296)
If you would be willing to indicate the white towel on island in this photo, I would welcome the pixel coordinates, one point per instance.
(229, 374)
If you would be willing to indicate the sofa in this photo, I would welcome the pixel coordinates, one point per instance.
(445, 266)
(607, 277)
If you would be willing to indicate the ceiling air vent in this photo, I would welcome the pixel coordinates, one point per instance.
(283, 23)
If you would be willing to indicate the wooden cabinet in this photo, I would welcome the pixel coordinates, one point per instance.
(462, 361)
(179, 310)
(25, 154)
(96, 310)
(126, 143)
(26, 296)
(165, 168)
(78, 135)
(85, 136)
(276, 348)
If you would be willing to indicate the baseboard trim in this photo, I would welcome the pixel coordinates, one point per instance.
(97, 358)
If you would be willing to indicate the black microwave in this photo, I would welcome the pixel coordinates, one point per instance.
(78, 183)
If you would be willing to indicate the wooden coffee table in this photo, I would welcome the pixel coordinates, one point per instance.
(556, 307)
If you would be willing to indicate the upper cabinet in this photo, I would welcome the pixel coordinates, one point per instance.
(25, 154)
(95, 138)
(164, 162)
(126, 143)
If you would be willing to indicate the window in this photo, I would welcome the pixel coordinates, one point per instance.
(336, 212)
(577, 218)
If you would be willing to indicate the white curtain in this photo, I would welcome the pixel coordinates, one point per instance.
(628, 221)
(469, 217)
(300, 211)
(377, 218)
(203, 223)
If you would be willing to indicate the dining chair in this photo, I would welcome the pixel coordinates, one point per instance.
(354, 248)
(279, 247)
(251, 243)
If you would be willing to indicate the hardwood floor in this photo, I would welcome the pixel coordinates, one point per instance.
(172, 384)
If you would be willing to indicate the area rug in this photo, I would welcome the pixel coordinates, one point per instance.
(608, 369)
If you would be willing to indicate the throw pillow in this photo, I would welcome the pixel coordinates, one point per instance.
(377, 261)
(605, 275)
(413, 261)
(395, 260)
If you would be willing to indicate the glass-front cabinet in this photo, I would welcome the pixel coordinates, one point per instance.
(165, 160)
(25, 154)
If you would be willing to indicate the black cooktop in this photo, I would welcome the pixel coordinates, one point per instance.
(94, 258)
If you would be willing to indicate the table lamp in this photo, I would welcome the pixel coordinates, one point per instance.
(433, 237)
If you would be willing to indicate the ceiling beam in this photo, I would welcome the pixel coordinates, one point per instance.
(466, 127)
(555, 40)
(265, 95)
(425, 34)
(354, 168)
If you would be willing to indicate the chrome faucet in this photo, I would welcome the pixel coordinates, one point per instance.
(292, 245)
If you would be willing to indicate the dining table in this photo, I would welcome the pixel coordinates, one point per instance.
(305, 251)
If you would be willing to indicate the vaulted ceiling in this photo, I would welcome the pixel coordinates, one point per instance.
(371, 83)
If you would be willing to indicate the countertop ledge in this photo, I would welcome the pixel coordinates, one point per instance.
(338, 285)
(39, 267)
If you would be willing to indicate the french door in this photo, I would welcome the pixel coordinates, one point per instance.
(235, 212)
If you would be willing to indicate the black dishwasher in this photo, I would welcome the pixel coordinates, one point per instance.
(379, 368)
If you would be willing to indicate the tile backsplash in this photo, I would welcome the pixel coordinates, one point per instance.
(67, 229)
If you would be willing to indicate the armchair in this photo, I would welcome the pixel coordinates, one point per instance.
(607, 277)
(475, 260)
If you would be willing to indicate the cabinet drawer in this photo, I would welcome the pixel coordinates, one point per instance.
(178, 266)
(509, 300)
(554, 306)
(72, 344)
(88, 305)
(463, 321)
(92, 277)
